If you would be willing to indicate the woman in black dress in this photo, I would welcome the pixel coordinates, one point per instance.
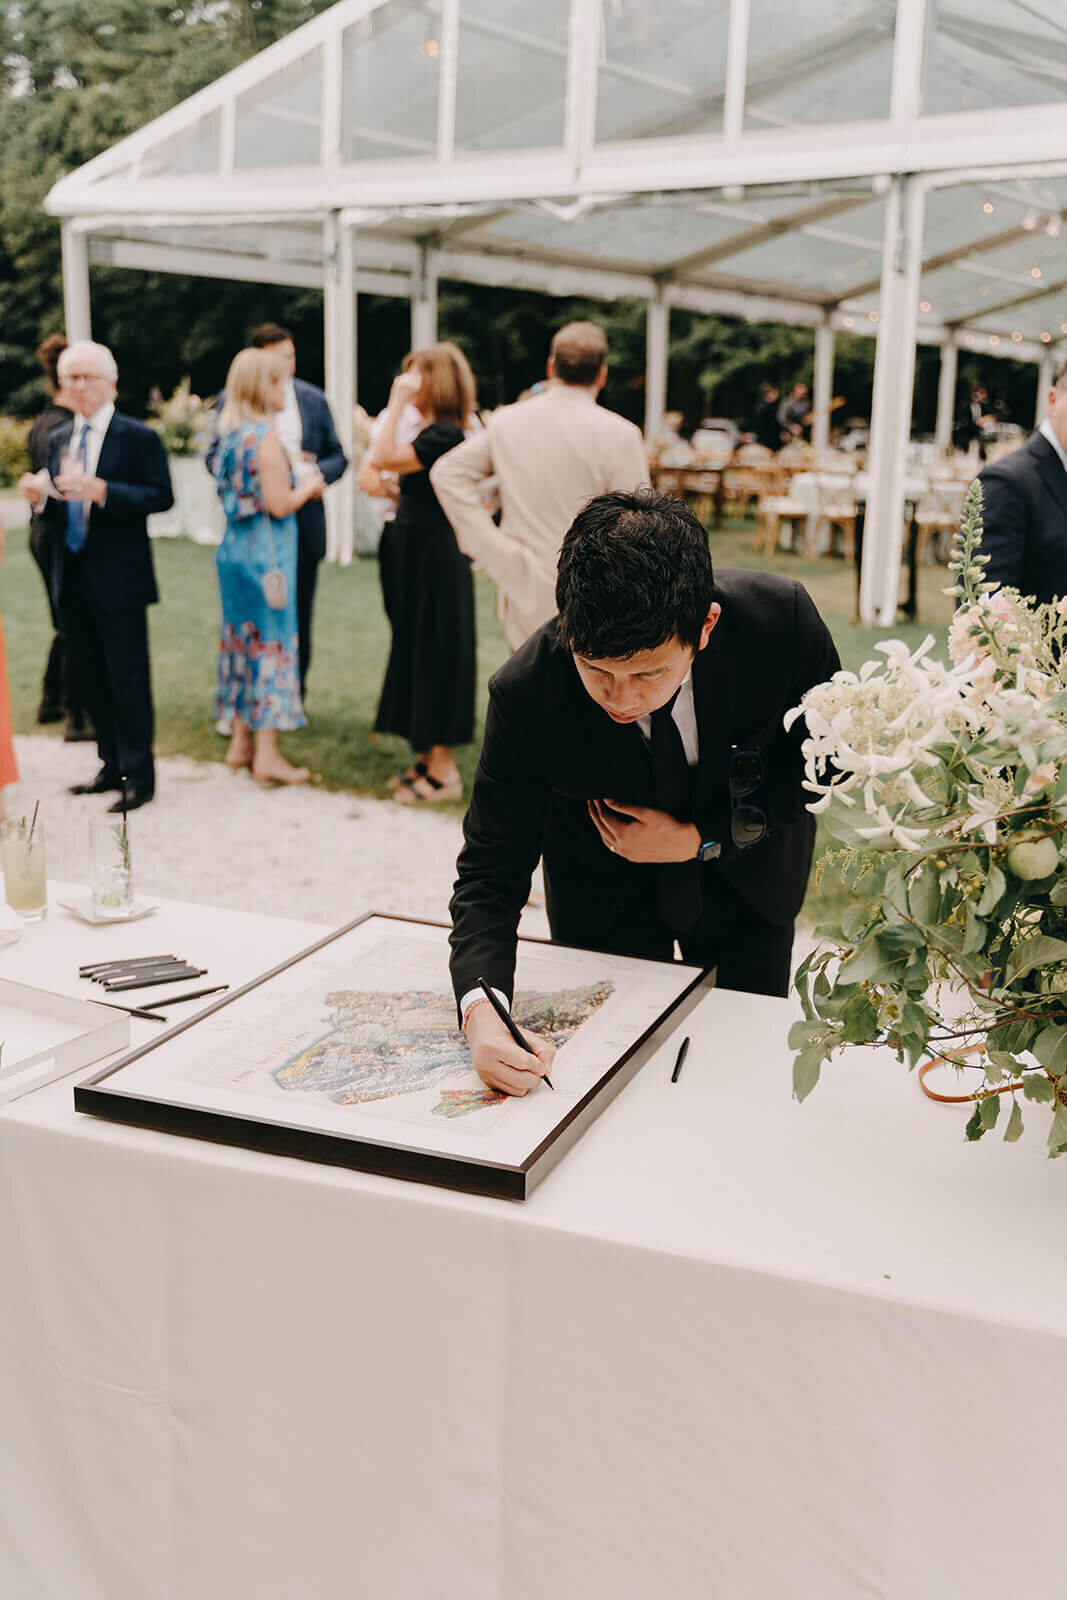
(428, 694)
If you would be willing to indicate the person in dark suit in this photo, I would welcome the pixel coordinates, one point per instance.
(1024, 507)
(112, 473)
(306, 429)
(635, 744)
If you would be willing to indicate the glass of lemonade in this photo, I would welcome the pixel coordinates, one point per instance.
(111, 870)
(22, 851)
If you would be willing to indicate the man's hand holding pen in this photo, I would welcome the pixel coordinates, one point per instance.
(641, 833)
(496, 1057)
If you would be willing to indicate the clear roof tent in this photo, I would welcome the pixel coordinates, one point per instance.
(888, 166)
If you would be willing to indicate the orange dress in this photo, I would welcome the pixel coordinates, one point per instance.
(9, 771)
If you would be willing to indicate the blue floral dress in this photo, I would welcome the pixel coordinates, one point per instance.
(259, 652)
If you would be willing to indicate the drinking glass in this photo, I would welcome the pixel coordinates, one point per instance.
(22, 848)
(110, 867)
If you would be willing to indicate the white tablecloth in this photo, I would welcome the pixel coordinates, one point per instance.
(732, 1347)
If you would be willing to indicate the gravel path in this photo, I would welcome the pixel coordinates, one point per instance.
(217, 838)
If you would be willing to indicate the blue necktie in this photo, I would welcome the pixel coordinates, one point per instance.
(77, 528)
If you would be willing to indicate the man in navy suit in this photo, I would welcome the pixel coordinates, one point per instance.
(1025, 507)
(305, 427)
(112, 474)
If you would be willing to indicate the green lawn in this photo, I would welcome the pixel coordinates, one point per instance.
(351, 645)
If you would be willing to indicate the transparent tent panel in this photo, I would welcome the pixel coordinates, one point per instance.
(638, 235)
(195, 150)
(825, 61)
(391, 69)
(985, 54)
(662, 68)
(511, 85)
(279, 123)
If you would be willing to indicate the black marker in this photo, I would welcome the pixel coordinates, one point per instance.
(682, 1049)
(510, 1026)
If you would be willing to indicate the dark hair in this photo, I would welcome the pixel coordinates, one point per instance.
(634, 571)
(579, 350)
(48, 353)
(268, 333)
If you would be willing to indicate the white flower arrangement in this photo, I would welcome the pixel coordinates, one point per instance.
(947, 787)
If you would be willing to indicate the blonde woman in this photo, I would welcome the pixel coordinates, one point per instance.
(428, 694)
(259, 661)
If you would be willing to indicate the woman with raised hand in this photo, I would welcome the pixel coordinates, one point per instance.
(258, 693)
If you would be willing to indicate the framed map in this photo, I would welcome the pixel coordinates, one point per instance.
(350, 1053)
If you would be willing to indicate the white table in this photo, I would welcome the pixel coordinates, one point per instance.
(731, 1347)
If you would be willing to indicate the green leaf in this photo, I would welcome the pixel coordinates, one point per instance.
(900, 937)
(974, 930)
(995, 886)
(924, 894)
(913, 1019)
(975, 1128)
(1013, 1037)
(1037, 951)
(806, 1069)
(860, 1019)
(854, 921)
(1057, 1134)
(865, 963)
(1058, 893)
(990, 1110)
(1037, 1087)
(1050, 1048)
(1015, 1123)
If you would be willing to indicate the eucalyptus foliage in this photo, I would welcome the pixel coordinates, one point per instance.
(945, 788)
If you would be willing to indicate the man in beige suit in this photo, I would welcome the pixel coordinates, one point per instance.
(549, 455)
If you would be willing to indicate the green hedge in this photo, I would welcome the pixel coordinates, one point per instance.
(14, 459)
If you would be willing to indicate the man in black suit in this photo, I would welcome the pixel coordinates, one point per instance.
(1024, 507)
(306, 429)
(635, 744)
(112, 474)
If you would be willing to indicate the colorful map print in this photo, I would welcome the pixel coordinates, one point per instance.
(380, 1045)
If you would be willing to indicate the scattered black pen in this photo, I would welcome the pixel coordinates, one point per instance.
(197, 994)
(144, 982)
(134, 1011)
(510, 1026)
(132, 962)
(682, 1048)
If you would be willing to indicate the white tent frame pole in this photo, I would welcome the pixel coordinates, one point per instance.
(339, 349)
(657, 346)
(946, 398)
(909, 35)
(894, 380)
(424, 300)
(76, 313)
(733, 110)
(822, 386)
(1045, 374)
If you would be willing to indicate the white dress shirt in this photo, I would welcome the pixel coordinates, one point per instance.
(288, 424)
(95, 427)
(1050, 434)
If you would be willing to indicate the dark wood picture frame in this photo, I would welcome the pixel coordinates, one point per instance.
(102, 1096)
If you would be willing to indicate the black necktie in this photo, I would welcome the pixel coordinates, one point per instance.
(680, 899)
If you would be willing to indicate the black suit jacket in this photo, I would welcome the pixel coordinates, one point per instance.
(133, 464)
(1025, 520)
(549, 748)
(319, 437)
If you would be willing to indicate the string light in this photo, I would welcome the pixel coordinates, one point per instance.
(1035, 272)
(1046, 338)
(989, 208)
(848, 322)
(872, 316)
(924, 305)
(1017, 336)
(994, 338)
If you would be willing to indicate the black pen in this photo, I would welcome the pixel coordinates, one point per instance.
(131, 961)
(133, 1011)
(154, 982)
(510, 1026)
(197, 994)
(682, 1048)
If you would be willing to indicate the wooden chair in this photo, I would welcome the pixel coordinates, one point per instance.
(937, 512)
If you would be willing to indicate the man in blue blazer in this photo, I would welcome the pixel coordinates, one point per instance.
(305, 427)
(112, 474)
(1025, 507)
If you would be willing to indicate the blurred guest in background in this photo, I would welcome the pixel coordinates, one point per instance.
(794, 413)
(764, 425)
(259, 653)
(1024, 507)
(60, 697)
(112, 474)
(975, 420)
(549, 454)
(9, 772)
(428, 693)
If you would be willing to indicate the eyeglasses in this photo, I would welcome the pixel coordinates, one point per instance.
(748, 824)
